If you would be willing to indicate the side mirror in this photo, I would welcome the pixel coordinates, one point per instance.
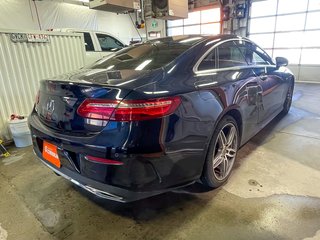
(281, 61)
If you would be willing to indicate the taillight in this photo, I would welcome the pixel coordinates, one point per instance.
(97, 108)
(128, 110)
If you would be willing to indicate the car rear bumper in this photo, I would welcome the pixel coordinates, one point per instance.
(103, 190)
(146, 171)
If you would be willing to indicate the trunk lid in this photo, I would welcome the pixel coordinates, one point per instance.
(59, 100)
(60, 97)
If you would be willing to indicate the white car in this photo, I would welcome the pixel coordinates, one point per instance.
(98, 44)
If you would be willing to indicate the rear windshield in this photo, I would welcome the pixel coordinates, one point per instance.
(146, 56)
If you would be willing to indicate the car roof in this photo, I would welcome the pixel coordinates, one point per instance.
(194, 39)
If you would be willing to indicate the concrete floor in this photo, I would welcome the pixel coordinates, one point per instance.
(273, 193)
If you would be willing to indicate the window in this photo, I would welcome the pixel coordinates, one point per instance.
(291, 22)
(264, 40)
(263, 8)
(147, 56)
(210, 28)
(313, 20)
(292, 6)
(229, 55)
(258, 25)
(287, 28)
(175, 31)
(269, 52)
(257, 59)
(253, 54)
(293, 55)
(288, 40)
(311, 39)
(224, 56)
(210, 15)
(209, 62)
(192, 30)
(314, 5)
(109, 43)
(198, 22)
(88, 42)
(175, 23)
(193, 18)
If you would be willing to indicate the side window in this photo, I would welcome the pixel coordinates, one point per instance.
(229, 55)
(209, 62)
(253, 54)
(258, 60)
(261, 55)
(88, 41)
(109, 43)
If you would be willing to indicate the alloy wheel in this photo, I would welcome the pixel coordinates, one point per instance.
(225, 151)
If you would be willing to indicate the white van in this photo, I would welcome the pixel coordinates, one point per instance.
(98, 44)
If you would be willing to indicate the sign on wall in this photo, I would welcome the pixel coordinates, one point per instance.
(29, 37)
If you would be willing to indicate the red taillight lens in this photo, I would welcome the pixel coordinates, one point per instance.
(128, 110)
(136, 110)
(97, 108)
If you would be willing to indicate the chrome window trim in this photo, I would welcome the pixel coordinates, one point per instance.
(214, 71)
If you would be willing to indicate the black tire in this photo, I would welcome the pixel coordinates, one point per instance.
(213, 174)
(287, 103)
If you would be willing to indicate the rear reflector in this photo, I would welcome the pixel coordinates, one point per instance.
(128, 110)
(103, 160)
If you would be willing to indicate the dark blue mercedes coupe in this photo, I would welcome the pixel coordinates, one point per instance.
(159, 115)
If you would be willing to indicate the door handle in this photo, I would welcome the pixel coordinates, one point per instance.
(263, 77)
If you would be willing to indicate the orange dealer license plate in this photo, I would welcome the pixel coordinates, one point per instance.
(50, 153)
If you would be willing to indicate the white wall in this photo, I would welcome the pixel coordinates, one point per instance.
(119, 25)
(17, 14)
(24, 64)
(22, 14)
(306, 73)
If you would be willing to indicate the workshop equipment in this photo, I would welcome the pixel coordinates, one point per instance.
(3, 150)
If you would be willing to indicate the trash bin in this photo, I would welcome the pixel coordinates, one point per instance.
(20, 132)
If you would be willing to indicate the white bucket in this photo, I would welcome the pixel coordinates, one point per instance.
(20, 132)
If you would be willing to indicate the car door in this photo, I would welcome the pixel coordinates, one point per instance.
(272, 84)
(225, 72)
(91, 54)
